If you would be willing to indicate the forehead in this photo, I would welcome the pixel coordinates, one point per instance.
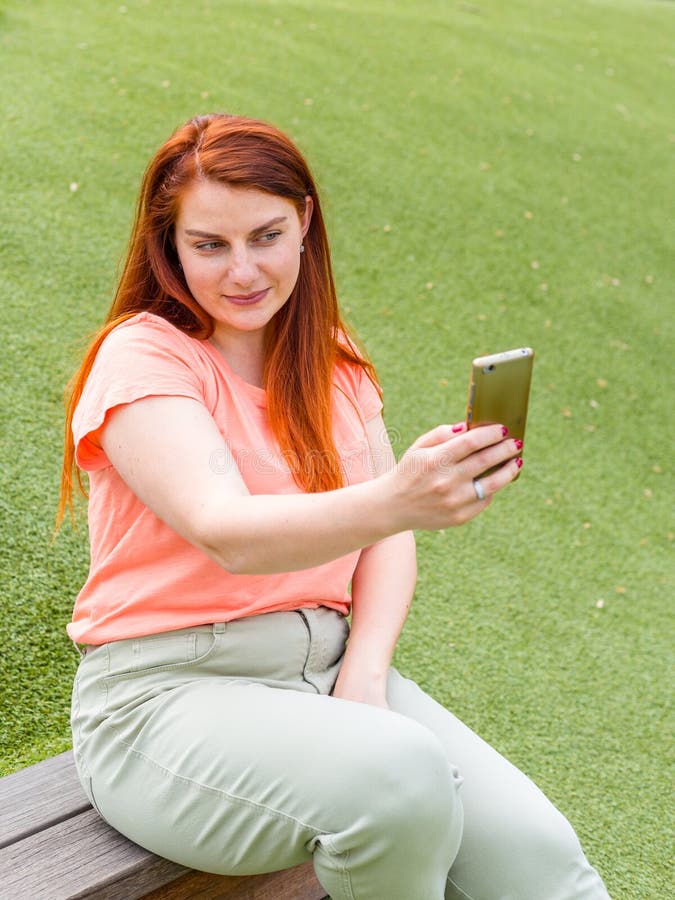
(211, 205)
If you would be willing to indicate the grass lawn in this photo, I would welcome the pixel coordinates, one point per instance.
(495, 174)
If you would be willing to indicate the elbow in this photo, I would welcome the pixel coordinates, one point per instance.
(232, 552)
(241, 558)
(231, 558)
(232, 562)
(232, 538)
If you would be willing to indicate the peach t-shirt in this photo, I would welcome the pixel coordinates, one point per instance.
(144, 578)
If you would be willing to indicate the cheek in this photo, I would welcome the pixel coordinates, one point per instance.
(293, 272)
(199, 275)
(288, 267)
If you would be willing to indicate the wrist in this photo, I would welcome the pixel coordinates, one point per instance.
(365, 661)
(387, 505)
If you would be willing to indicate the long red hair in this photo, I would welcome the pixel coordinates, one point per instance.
(308, 334)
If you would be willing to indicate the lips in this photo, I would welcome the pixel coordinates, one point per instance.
(247, 299)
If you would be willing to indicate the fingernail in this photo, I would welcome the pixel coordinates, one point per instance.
(457, 428)
(519, 462)
(505, 430)
(519, 444)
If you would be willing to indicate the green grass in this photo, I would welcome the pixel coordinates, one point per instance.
(495, 174)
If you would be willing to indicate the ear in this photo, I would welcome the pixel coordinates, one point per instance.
(306, 216)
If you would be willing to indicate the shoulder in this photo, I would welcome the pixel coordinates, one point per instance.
(146, 337)
(148, 327)
(140, 357)
(145, 352)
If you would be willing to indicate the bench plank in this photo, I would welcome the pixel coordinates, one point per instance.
(299, 883)
(81, 857)
(38, 797)
(53, 844)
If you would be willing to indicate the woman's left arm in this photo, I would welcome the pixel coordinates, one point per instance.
(382, 590)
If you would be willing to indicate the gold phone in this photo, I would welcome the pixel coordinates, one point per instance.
(499, 390)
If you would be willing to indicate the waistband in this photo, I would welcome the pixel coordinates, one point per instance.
(293, 648)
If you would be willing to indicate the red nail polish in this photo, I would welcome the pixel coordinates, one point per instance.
(505, 430)
(457, 428)
(519, 462)
(519, 444)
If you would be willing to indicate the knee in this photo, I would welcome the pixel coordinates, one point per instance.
(414, 788)
(403, 827)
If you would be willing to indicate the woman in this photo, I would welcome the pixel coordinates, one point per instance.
(240, 479)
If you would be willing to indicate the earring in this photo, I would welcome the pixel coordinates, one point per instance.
(302, 248)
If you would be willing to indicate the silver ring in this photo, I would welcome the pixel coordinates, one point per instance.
(478, 488)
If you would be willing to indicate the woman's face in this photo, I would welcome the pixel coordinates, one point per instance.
(240, 253)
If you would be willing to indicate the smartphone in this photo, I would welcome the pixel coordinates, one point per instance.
(499, 390)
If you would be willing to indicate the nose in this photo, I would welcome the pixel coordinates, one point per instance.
(242, 270)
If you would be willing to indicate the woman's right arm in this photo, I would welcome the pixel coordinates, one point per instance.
(164, 449)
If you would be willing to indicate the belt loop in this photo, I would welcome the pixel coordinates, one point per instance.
(219, 627)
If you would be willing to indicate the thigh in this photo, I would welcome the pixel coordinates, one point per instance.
(237, 777)
(515, 843)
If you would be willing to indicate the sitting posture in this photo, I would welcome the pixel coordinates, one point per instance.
(226, 715)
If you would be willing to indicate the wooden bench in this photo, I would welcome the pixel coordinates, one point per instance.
(54, 846)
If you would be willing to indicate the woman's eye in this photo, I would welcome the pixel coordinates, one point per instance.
(208, 245)
(268, 237)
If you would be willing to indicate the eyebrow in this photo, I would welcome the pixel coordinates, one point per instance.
(194, 232)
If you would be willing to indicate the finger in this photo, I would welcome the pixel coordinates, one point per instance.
(499, 479)
(471, 442)
(479, 490)
(490, 457)
(440, 434)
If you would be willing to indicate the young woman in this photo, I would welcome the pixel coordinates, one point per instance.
(224, 713)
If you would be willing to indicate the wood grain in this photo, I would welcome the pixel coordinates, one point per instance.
(54, 845)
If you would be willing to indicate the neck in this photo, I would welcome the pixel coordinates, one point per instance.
(244, 354)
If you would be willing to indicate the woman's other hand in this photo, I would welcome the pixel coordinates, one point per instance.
(359, 686)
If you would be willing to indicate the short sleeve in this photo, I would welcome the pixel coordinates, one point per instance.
(143, 357)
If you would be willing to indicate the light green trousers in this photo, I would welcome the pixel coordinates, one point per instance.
(221, 748)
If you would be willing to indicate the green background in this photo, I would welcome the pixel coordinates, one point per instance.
(494, 175)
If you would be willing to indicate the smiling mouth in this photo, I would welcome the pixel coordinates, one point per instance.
(247, 299)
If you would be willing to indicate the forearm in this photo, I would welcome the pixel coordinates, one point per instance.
(382, 590)
(259, 534)
(246, 533)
